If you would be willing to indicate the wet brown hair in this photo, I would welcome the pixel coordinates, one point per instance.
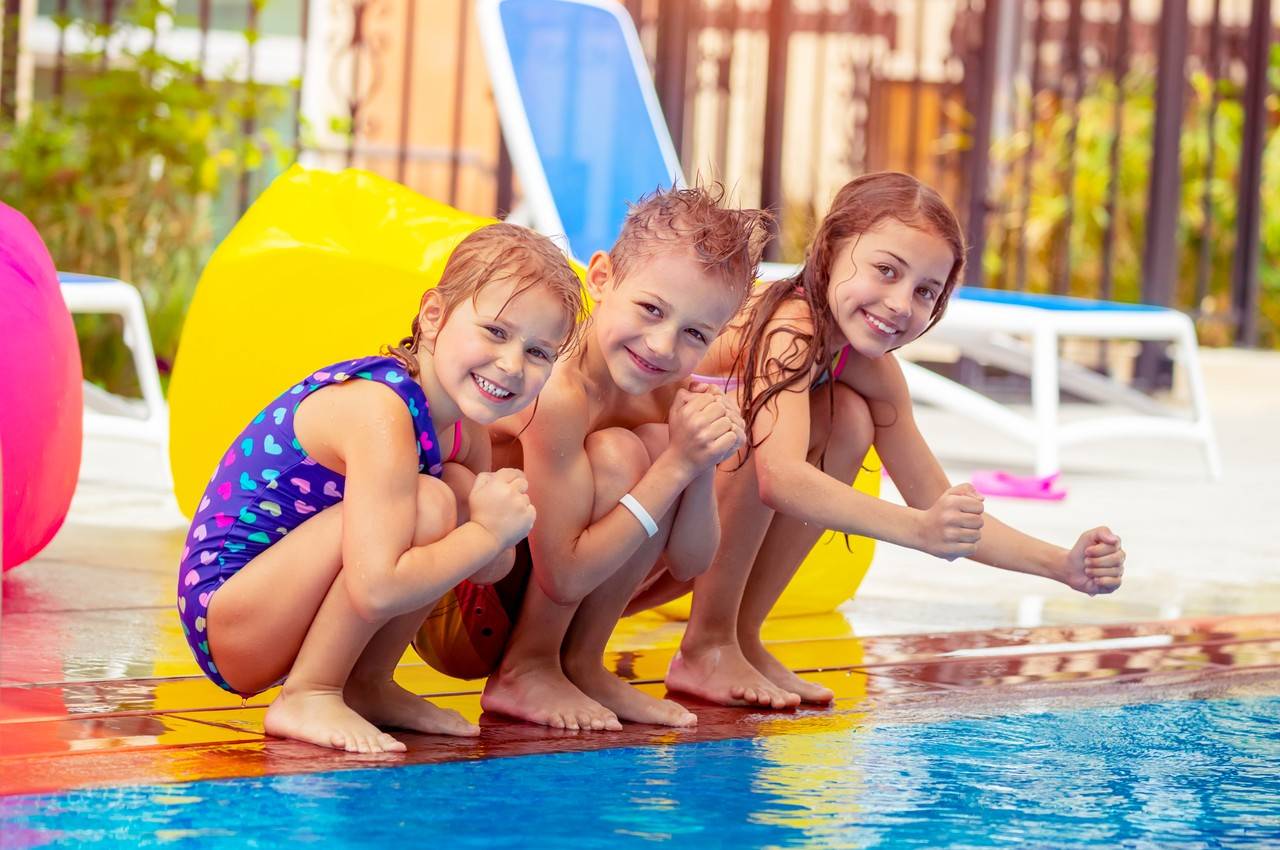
(726, 242)
(858, 207)
(501, 252)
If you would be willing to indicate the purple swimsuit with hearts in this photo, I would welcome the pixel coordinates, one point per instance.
(266, 486)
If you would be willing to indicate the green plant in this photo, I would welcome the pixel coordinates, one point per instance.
(1080, 144)
(118, 174)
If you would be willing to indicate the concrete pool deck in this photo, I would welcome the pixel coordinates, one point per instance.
(97, 686)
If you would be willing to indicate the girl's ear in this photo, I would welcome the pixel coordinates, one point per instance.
(599, 273)
(430, 319)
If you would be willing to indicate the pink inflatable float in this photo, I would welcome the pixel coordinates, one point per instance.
(41, 404)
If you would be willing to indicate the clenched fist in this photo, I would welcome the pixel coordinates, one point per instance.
(499, 501)
(1096, 563)
(953, 526)
(706, 426)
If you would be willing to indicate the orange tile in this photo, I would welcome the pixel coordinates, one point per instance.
(112, 732)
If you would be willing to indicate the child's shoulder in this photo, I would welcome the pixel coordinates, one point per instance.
(794, 313)
(372, 392)
(563, 407)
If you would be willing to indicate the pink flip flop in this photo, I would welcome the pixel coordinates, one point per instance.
(992, 482)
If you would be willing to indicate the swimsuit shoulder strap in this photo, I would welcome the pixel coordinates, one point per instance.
(457, 441)
(841, 359)
(391, 373)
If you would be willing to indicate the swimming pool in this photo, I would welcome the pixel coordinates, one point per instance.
(1180, 774)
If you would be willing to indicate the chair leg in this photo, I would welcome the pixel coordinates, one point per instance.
(1044, 399)
(138, 338)
(1190, 355)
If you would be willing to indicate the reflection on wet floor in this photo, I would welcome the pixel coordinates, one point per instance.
(97, 686)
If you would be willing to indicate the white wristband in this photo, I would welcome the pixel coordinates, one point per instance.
(629, 502)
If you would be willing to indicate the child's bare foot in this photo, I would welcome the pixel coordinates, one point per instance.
(723, 675)
(544, 696)
(388, 704)
(628, 702)
(323, 719)
(782, 675)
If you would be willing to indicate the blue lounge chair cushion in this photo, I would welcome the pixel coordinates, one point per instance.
(1047, 302)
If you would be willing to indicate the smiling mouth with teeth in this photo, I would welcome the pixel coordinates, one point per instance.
(644, 365)
(882, 327)
(491, 389)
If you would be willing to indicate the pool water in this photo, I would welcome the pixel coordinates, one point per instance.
(1185, 774)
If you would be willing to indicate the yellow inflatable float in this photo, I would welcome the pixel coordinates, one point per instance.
(326, 267)
(323, 267)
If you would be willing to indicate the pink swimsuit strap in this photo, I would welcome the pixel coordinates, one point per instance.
(457, 441)
(844, 356)
(726, 383)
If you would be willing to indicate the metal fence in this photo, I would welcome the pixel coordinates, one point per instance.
(989, 102)
(1083, 142)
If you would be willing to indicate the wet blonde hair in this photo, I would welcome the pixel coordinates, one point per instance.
(501, 252)
(727, 243)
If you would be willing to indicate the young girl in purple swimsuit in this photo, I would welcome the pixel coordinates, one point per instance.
(332, 523)
(811, 359)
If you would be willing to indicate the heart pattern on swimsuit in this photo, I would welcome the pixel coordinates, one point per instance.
(234, 523)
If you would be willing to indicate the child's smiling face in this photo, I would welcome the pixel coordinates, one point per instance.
(654, 324)
(885, 283)
(494, 353)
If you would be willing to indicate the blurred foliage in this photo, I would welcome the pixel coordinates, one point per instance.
(119, 174)
(1079, 143)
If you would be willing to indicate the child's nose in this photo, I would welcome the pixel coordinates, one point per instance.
(661, 344)
(511, 361)
(899, 301)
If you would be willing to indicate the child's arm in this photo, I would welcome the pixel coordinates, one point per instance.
(572, 556)
(695, 534)
(372, 433)
(1094, 564)
(475, 453)
(791, 485)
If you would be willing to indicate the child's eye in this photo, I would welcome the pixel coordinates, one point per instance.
(650, 309)
(496, 332)
(539, 354)
(887, 271)
(696, 334)
(926, 293)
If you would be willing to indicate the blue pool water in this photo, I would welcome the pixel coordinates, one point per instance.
(1189, 774)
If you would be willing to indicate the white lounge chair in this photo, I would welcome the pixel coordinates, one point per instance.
(586, 135)
(1019, 332)
(107, 414)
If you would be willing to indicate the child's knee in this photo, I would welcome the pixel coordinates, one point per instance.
(846, 434)
(460, 480)
(618, 461)
(853, 415)
(655, 436)
(437, 510)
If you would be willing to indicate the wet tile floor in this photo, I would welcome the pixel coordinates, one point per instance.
(97, 686)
